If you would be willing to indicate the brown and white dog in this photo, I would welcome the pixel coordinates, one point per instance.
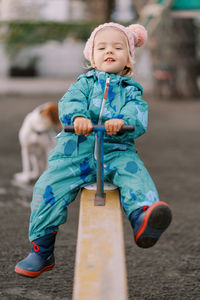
(37, 138)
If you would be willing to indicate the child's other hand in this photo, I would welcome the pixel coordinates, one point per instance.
(82, 126)
(113, 126)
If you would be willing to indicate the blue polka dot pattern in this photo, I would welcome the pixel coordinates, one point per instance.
(66, 120)
(133, 196)
(70, 147)
(49, 196)
(131, 167)
(85, 169)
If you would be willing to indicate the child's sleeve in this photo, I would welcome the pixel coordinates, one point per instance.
(74, 103)
(135, 111)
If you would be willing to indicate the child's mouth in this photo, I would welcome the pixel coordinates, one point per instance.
(109, 59)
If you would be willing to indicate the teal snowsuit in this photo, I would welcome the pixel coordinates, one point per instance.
(72, 163)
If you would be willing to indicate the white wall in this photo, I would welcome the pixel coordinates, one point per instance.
(61, 59)
(54, 10)
(55, 59)
(20, 9)
(123, 11)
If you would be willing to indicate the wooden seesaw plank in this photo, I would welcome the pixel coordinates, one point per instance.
(100, 269)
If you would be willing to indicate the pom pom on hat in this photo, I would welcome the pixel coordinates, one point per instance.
(136, 35)
(140, 33)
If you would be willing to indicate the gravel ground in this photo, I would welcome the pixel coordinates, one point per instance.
(169, 270)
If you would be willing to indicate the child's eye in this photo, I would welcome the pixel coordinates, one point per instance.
(118, 48)
(102, 48)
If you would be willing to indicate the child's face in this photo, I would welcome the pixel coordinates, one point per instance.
(110, 51)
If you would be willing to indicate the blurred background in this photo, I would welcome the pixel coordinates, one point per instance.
(41, 54)
(45, 38)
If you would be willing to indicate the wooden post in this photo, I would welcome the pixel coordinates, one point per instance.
(100, 269)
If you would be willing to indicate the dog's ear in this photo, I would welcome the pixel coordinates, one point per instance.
(51, 112)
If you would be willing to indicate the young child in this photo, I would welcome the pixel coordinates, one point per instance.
(72, 164)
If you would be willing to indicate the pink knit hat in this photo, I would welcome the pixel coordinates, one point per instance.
(136, 35)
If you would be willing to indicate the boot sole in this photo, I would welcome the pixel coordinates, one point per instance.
(156, 220)
(31, 273)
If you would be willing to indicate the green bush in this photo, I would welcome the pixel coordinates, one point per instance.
(16, 35)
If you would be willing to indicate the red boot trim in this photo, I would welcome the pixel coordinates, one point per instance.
(146, 217)
(36, 248)
(145, 208)
(33, 274)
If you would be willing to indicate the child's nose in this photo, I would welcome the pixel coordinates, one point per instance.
(109, 50)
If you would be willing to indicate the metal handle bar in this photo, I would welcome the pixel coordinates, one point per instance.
(96, 128)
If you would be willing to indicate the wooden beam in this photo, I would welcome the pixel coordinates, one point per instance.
(100, 269)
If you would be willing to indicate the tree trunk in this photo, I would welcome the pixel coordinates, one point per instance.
(185, 57)
(175, 59)
(109, 6)
(99, 11)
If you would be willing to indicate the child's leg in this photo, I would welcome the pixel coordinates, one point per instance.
(139, 197)
(52, 193)
(127, 171)
(55, 189)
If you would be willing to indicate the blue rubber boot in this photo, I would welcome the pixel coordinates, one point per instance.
(149, 222)
(40, 259)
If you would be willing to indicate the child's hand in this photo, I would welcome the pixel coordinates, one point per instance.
(82, 126)
(113, 126)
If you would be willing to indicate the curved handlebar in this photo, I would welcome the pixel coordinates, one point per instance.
(124, 128)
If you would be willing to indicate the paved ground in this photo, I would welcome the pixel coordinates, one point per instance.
(36, 86)
(170, 150)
